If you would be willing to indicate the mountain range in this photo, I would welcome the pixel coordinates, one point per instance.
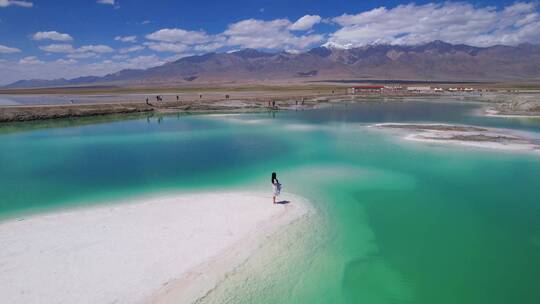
(434, 61)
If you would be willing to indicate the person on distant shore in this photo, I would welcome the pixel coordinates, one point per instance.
(276, 187)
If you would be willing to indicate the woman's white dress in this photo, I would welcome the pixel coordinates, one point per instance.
(276, 188)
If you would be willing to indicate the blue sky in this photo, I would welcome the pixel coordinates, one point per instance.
(61, 38)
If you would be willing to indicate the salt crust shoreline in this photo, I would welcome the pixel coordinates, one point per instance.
(163, 249)
(495, 113)
(500, 139)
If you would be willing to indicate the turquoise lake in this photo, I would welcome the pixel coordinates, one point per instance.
(396, 221)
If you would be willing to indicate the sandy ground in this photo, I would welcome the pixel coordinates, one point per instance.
(163, 249)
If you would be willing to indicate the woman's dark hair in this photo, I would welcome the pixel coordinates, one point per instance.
(274, 176)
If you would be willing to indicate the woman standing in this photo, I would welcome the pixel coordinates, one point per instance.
(276, 186)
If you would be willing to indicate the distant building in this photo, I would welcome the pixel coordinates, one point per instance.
(461, 89)
(365, 89)
(393, 87)
(438, 90)
(419, 89)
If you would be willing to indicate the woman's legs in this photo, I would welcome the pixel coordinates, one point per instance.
(274, 197)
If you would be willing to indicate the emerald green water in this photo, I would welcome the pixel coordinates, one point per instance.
(396, 222)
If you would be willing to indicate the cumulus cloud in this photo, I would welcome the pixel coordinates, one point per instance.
(6, 3)
(82, 55)
(131, 49)
(179, 35)
(8, 50)
(305, 23)
(66, 61)
(250, 33)
(85, 51)
(126, 38)
(167, 47)
(274, 34)
(210, 47)
(68, 48)
(30, 60)
(110, 66)
(52, 35)
(113, 3)
(95, 49)
(120, 57)
(142, 62)
(453, 22)
(58, 48)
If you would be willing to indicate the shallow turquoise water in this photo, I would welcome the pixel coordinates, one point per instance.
(401, 222)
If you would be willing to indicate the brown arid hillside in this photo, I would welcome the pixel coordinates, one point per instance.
(435, 61)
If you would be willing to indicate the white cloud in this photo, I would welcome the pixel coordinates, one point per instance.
(143, 62)
(83, 52)
(8, 50)
(453, 22)
(166, 47)
(109, 2)
(275, 34)
(52, 35)
(179, 35)
(131, 49)
(58, 48)
(66, 61)
(120, 57)
(82, 55)
(100, 49)
(175, 57)
(210, 47)
(110, 66)
(6, 3)
(126, 38)
(305, 23)
(68, 48)
(113, 3)
(30, 60)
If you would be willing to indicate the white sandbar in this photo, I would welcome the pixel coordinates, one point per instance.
(501, 139)
(163, 249)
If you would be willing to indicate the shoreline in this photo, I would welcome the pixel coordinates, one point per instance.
(207, 104)
(22, 113)
(164, 249)
(496, 113)
(464, 135)
(202, 279)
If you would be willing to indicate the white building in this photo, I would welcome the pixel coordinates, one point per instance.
(419, 89)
